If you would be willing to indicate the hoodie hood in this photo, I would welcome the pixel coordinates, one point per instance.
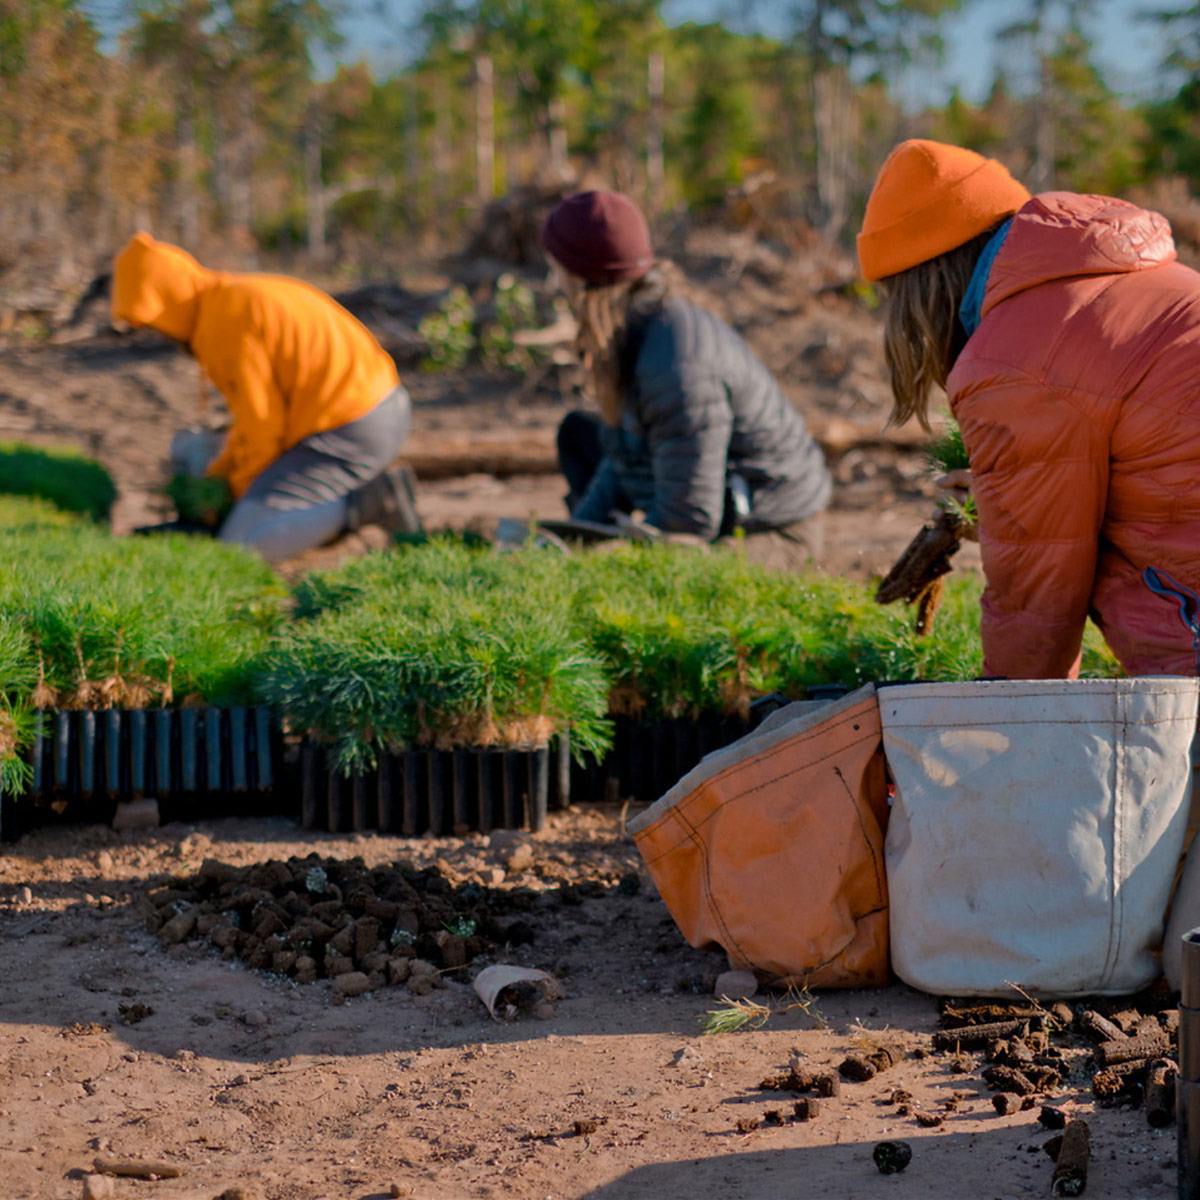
(159, 285)
(1057, 235)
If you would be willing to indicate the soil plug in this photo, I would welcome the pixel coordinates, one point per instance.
(807, 1109)
(892, 1157)
(1070, 1168)
(1052, 1118)
(1123, 1081)
(1098, 1028)
(136, 1168)
(1160, 1092)
(1008, 1079)
(1154, 1043)
(1007, 1103)
(796, 1080)
(861, 1067)
(827, 1084)
(977, 1037)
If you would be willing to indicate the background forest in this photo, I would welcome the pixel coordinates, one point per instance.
(244, 126)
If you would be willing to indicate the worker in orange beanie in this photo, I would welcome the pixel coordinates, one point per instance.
(1067, 338)
(319, 413)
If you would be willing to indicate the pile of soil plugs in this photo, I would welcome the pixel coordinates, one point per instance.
(363, 928)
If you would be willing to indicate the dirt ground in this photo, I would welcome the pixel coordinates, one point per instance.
(114, 1044)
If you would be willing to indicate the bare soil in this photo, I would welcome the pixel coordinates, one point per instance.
(119, 1042)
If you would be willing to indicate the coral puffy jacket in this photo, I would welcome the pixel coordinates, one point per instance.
(290, 361)
(1078, 397)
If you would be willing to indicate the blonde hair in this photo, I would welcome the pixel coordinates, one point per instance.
(922, 335)
(603, 312)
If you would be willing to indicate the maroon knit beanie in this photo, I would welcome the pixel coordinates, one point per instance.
(600, 236)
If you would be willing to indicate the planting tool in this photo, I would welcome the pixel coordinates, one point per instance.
(1187, 1094)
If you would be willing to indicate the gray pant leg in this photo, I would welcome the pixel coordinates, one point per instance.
(299, 501)
(279, 534)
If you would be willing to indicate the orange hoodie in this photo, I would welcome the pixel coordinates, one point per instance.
(1079, 402)
(290, 361)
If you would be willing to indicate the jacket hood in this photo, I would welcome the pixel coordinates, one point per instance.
(1061, 234)
(157, 284)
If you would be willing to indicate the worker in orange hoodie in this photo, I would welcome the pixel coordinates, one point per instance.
(1067, 338)
(319, 413)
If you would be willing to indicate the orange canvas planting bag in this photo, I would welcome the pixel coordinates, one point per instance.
(773, 847)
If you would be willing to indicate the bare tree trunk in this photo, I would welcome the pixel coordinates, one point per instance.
(556, 139)
(832, 101)
(655, 174)
(412, 154)
(485, 129)
(187, 205)
(441, 163)
(242, 190)
(314, 184)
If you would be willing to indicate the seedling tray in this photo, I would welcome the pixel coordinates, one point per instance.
(197, 762)
(416, 791)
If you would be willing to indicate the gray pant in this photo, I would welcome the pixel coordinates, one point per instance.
(299, 501)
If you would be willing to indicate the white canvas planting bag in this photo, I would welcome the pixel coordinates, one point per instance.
(1035, 831)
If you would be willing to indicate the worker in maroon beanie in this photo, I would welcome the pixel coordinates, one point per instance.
(689, 430)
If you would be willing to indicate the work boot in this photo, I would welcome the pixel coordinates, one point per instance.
(388, 501)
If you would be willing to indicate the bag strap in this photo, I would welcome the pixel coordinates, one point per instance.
(1163, 585)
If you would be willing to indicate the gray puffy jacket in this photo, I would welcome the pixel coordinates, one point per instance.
(700, 408)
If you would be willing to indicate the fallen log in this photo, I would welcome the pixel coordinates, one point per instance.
(532, 451)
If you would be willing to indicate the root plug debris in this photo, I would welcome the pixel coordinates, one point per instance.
(1052, 1118)
(1160, 1092)
(796, 1080)
(1100, 1029)
(1071, 1164)
(891, 1157)
(1007, 1103)
(861, 1067)
(827, 1084)
(807, 1109)
(136, 1168)
(1009, 1079)
(1154, 1043)
(977, 1037)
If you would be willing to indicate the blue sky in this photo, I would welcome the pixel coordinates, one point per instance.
(1125, 47)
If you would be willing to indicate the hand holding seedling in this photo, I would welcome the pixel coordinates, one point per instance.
(956, 497)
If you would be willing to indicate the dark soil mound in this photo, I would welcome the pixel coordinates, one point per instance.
(323, 918)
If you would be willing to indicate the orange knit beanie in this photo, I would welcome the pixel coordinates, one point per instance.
(930, 198)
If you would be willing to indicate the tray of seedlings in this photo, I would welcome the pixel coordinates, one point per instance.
(129, 669)
(434, 688)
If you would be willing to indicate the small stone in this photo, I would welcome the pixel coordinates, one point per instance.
(104, 862)
(25, 895)
(494, 877)
(352, 983)
(98, 1187)
(136, 814)
(735, 985)
(254, 1018)
(520, 858)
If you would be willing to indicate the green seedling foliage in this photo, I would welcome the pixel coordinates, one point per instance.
(63, 475)
(204, 501)
(437, 644)
(949, 453)
(515, 309)
(449, 332)
(132, 621)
